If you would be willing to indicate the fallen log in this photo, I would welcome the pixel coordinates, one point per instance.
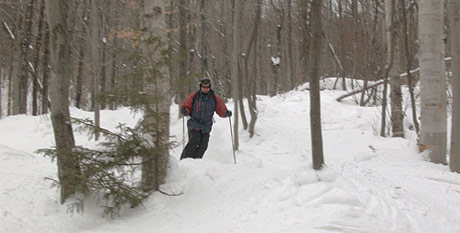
(340, 98)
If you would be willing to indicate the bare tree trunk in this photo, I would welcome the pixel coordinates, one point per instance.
(115, 44)
(363, 94)
(315, 100)
(38, 43)
(432, 79)
(204, 42)
(46, 70)
(19, 67)
(104, 35)
(156, 85)
(25, 48)
(336, 58)
(276, 56)
(274, 64)
(181, 93)
(355, 55)
(409, 67)
(290, 58)
(306, 42)
(454, 17)
(252, 81)
(235, 56)
(390, 32)
(95, 63)
(10, 90)
(244, 120)
(342, 44)
(81, 60)
(68, 166)
(397, 115)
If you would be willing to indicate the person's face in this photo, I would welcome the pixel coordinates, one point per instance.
(205, 88)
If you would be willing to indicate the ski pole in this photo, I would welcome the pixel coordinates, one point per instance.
(231, 134)
(183, 132)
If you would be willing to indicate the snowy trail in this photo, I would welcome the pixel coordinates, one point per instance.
(400, 197)
(369, 184)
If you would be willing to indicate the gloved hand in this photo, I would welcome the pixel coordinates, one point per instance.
(228, 113)
(184, 112)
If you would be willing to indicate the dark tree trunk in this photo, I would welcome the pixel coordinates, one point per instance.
(24, 79)
(95, 63)
(115, 45)
(251, 96)
(10, 88)
(46, 70)
(204, 42)
(183, 53)
(81, 60)
(104, 34)
(409, 67)
(290, 62)
(38, 43)
(244, 119)
(315, 101)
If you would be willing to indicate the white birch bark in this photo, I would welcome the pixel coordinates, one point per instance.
(157, 86)
(432, 79)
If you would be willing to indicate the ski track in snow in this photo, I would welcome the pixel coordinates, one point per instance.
(369, 183)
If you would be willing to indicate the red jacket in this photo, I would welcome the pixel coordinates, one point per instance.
(201, 109)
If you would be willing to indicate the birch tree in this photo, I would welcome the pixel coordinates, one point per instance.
(68, 167)
(234, 72)
(157, 87)
(454, 17)
(432, 80)
(390, 37)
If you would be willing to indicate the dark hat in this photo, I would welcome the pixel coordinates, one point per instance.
(205, 81)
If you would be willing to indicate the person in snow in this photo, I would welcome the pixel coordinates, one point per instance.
(200, 106)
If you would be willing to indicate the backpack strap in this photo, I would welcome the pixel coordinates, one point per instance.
(197, 95)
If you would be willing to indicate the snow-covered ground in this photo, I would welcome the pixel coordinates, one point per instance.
(369, 183)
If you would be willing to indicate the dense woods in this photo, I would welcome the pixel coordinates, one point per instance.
(273, 47)
(94, 54)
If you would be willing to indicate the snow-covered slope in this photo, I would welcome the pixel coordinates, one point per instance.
(369, 183)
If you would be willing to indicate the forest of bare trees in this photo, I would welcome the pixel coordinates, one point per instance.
(90, 57)
(272, 50)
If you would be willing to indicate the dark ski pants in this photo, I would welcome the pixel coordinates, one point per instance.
(197, 144)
